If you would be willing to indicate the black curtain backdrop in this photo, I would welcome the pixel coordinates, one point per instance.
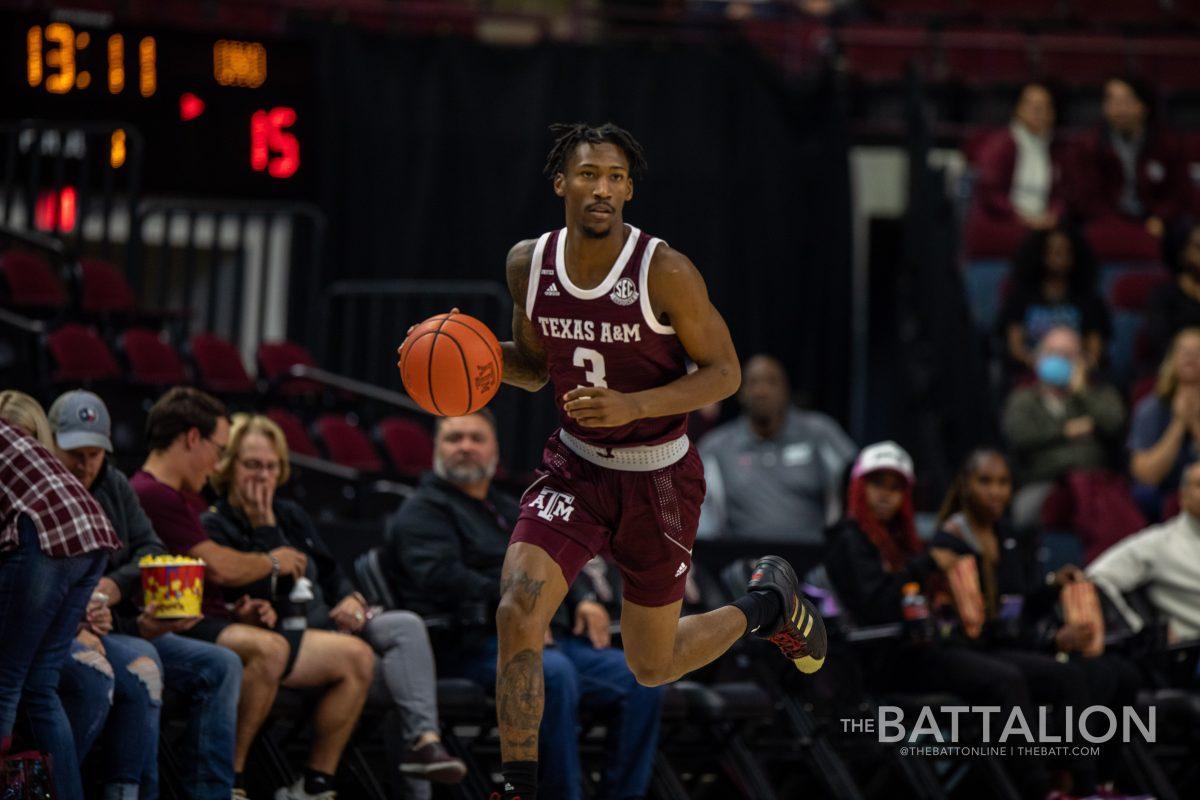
(436, 148)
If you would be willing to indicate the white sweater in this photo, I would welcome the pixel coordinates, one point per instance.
(1166, 559)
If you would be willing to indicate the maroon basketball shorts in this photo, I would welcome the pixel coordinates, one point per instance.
(646, 520)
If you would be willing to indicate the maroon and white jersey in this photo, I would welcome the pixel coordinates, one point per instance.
(605, 336)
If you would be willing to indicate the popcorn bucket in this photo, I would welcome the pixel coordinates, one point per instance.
(174, 585)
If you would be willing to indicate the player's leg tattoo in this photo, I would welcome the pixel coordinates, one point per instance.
(519, 698)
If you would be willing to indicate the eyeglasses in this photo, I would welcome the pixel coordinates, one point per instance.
(220, 448)
(254, 465)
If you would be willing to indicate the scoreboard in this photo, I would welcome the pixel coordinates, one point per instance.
(219, 114)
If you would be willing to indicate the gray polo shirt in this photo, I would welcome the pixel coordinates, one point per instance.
(781, 489)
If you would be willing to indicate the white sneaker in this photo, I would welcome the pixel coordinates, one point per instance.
(239, 794)
(296, 792)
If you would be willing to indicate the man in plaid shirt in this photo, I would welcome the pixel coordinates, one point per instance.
(54, 543)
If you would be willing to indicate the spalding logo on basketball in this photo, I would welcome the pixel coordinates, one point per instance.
(451, 365)
(624, 293)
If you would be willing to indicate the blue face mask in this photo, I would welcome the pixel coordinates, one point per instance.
(1055, 371)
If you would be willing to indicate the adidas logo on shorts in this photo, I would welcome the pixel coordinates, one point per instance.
(551, 290)
(682, 569)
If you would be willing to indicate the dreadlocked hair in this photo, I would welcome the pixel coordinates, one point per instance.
(896, 540)
(568, 136)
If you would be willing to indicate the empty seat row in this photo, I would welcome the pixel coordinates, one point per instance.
(396, 444)
(30, 284)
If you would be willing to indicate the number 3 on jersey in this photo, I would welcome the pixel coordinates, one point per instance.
(593, 364)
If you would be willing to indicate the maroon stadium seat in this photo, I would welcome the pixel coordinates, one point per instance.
(347, 444)
(1012, 10)
(884, 52)
(923, 9)
(32, 282)
(986, 56)
(274, 361)
(80, 356)
(298, 440)
(1082, 60)
(1169, 63)
(219, 367)
(1131, 291)
(152, 361)
(105, 290)
(408, 445)
(1118, 12)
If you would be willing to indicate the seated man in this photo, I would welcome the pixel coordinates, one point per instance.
(208, 675)
(774, 474)
(186, 434)
(1064, 422)
(447, 546)
(1166, 560)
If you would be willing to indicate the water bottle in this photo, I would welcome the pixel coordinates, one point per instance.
(915, 611)
(298, 600)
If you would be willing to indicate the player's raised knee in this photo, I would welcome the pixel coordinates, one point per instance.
(515, 621)
(649, 672)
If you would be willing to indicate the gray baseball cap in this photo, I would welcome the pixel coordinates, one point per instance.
(80, 419)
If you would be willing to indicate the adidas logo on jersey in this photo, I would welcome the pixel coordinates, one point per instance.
(551, 291)
(682, 569)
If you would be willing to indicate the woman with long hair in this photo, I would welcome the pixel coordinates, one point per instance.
(1053, 285)
(1165, 430)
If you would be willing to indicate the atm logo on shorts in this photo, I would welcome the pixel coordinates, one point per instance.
(554, 505)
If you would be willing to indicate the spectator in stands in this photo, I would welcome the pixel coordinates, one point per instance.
(250, 517)
(1128, 182)
(447, 546)
(1018, 188)
(774, 473)
(1063, 422)
(1165, 430)
(1165, 560)
(873, 553)
(207, 675)
(1053, 285)
(54, 541)
(1176, 305)
(1020, 627)
(186, 433)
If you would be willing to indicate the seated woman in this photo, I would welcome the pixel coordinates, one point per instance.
(110, 687)
(249, 517)
(1165, 430)
(1053, 285)
(1019, 627)
(872, 554)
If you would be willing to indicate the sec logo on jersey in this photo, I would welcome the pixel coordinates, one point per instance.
(624, 293)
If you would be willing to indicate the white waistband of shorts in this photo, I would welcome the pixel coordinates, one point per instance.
(640, 458)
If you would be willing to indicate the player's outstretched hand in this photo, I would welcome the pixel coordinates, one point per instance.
(410, 327)
(600, 407)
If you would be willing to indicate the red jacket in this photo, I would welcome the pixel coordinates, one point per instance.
(995, 161)
(1097, 177)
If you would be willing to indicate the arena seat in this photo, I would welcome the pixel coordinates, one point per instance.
(1082, 59)
(1016, 10)
(1131, 291)
(104, 289)
(1128, 295)
(988, 56)
(31, 284)
(346, 443)
(152, 361)
(371, 579)
(1170, 62)
(80, 356)
(985, 281)
(274, 361)
(407, 445)
(219, 367)
(883, 53)
(298, 440)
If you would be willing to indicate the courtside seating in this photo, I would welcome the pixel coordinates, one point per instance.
(346, 443)
(298, 440)
(152, 361)
(274, 361)
(219, 367)
(104, 289)
(80, 356)
(30, 285)
(407, 445)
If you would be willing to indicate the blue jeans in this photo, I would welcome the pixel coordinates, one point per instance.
(577, 673)
(210, 676)
(121, 694)
(42, 600)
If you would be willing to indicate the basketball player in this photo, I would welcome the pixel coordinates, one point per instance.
(621, 324)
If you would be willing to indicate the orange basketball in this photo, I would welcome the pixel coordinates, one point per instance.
(451, 364)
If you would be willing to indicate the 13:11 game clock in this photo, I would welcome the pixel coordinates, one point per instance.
(220, 115)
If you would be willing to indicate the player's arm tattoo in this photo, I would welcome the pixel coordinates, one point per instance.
(524, 357)
(519, 700)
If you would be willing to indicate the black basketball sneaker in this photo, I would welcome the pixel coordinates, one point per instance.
(800, 632)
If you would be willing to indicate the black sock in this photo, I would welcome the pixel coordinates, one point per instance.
(520, 780)
(761, 607)
(317, 782)
(237, 781)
